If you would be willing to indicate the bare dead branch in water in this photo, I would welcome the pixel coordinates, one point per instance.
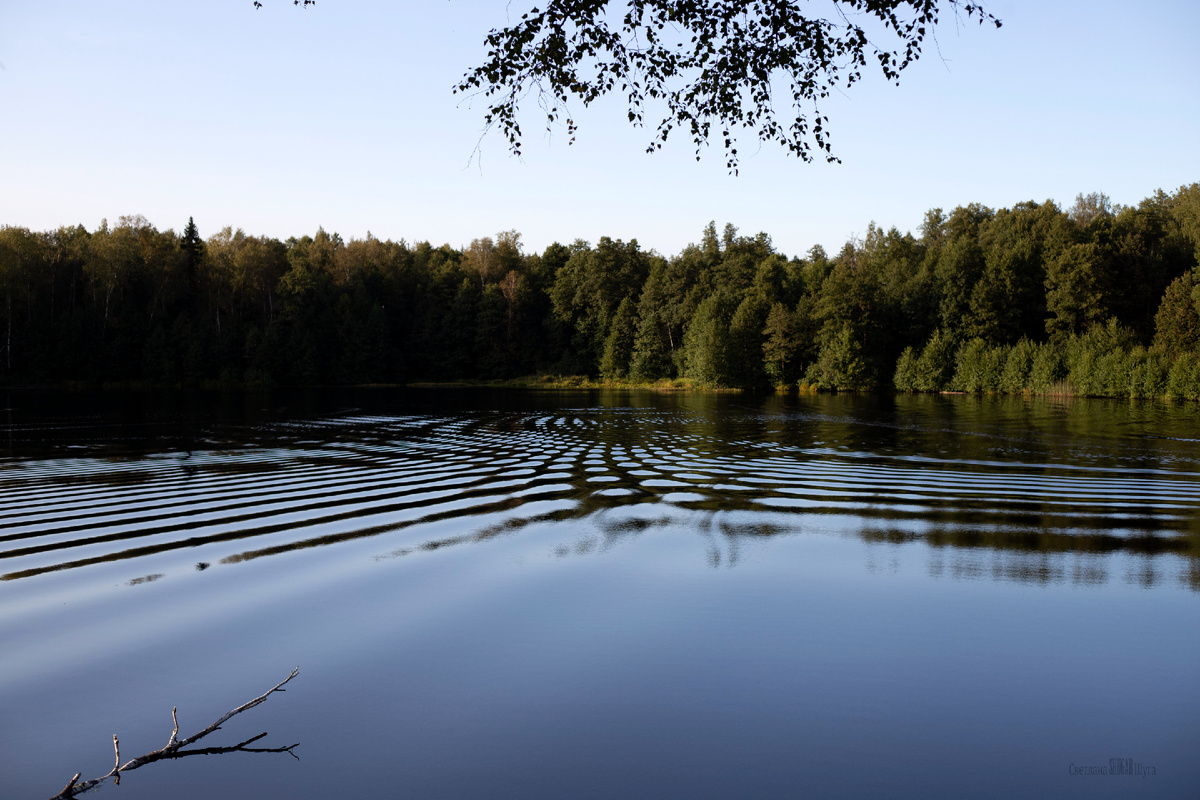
(175, 745)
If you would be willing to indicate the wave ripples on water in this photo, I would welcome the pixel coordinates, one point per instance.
(295, 485)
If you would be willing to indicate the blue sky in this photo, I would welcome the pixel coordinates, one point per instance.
(282, 120)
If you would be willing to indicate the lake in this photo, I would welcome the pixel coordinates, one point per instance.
(601, 594)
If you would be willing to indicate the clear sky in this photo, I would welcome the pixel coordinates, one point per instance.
(281, 120)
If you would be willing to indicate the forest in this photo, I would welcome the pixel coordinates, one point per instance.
(1096, 300)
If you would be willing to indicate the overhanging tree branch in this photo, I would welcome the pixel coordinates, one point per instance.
(710, 66)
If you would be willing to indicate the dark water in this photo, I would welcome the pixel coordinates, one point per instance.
(602, 594)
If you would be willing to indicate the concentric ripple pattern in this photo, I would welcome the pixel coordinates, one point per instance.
(296, 485)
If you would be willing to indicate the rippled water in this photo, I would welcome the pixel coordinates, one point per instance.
(591, 594)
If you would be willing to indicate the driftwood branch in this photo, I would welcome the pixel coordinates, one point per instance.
(175, 746)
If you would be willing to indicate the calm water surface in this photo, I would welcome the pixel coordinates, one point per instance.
(532, 595)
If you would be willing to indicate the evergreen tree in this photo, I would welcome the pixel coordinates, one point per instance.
(779, 347)
(192, 247)
(618, 346)
(650, 360)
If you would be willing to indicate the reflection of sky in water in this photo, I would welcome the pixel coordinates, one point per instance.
(678, 596)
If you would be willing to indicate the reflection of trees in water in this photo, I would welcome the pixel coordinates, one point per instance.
(1022, 476)
(1020, 556)
(1047, 557)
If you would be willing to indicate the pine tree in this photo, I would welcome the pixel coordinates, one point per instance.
(192, 247)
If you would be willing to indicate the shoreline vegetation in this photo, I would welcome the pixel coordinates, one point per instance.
(1156, 383)
(1097, 300)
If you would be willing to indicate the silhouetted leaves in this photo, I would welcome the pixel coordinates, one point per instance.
(711, 67)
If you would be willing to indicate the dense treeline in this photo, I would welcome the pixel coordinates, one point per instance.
(1097, 300)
